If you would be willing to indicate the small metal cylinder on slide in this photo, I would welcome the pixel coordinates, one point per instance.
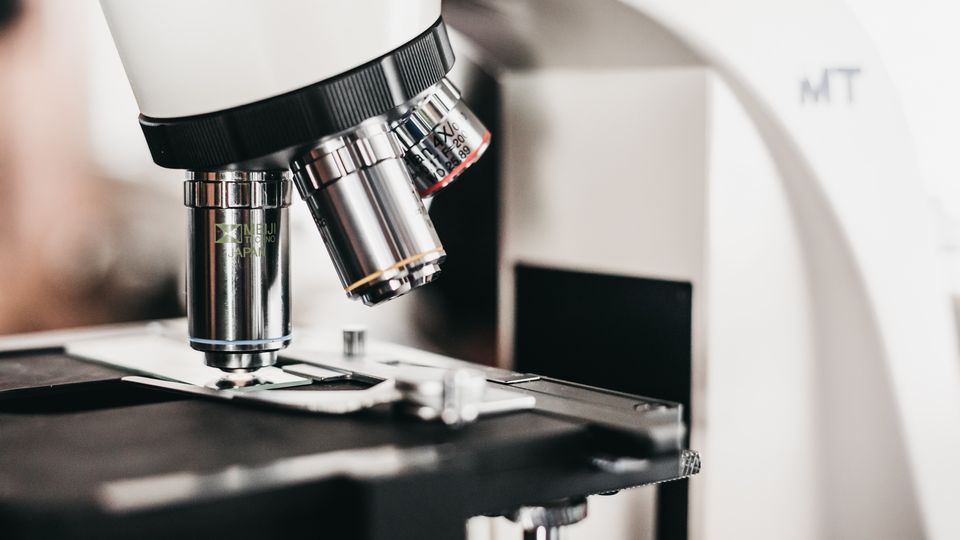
(238, 266)
(353, 341)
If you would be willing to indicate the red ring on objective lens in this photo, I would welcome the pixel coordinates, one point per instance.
(459, 168)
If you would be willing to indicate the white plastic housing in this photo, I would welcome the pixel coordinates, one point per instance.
(826, 380)
(189, 57)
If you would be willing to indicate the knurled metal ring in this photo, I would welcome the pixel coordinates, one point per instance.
(556, 514)
(337, 157)
(689, 463)
(427, 114)
(237, 189)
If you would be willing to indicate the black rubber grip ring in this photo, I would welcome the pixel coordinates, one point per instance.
(300, 117)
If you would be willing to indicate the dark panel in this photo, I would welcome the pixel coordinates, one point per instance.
(623, 333)
(40, 371)
(626, 334)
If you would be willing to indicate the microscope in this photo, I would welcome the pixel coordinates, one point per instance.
(350, 99)
(353, 99)
(351, 103)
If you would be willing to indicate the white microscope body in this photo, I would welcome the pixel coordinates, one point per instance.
(756, 150)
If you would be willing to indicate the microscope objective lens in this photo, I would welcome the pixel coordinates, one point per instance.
(238, 276)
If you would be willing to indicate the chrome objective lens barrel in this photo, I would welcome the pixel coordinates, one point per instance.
(441, 137)
(372, 221)
(238, 266)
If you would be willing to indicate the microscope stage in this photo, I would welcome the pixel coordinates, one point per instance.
(86, 454)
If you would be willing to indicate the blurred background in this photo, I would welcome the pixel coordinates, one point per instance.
(95, 233)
